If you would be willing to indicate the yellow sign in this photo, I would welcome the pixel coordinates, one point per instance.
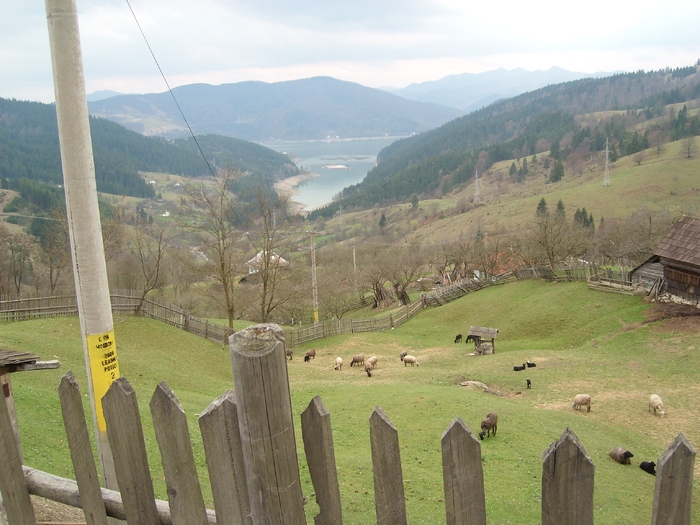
(104, 368)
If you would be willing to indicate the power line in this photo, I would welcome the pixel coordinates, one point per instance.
(211, 170)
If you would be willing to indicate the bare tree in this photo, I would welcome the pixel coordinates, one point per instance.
(150, 243)
(336, 284)
(551, 238)
(210, 210)
(689, 147)
(403, 267)
(374, 274)
(19, 250)
(638, 157)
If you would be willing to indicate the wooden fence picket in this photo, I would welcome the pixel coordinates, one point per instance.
(463, 476)
(259, 361)
(320, 457)
(81, 451)
(126, 440)
(674, 484)
(222, 447)
(567, 483)
(389, 498)
(181, 477)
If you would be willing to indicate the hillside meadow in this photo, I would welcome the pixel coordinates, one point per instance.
(604, 344)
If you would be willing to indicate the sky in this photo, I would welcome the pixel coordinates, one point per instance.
(376, 43)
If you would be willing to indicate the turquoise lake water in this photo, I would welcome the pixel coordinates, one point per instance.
(359, 155)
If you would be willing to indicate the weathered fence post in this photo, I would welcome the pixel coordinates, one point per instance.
(259, 361)
(674, 484)
(463, 476)
(389, 499)
(567, 483)
(222, 446)
(81, 451)
(181, 478)
(320, 457)
(125, 435)
(15, 495)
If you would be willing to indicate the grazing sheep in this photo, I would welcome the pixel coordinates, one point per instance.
(338, 363)
(621, 455)
(403, 354)
(519, 368)
(530, 364)
(529, 383)
(475, 338)
(289, 354)
(409, 359)
(373, 361)
(483, 349)
(358, 360)
(368, 368)
(310, 354)
(458, 338)
(648, 466)
(655, 404)
(582, 400)
(489, 425)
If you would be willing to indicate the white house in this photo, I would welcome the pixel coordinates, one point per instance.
(257, 262)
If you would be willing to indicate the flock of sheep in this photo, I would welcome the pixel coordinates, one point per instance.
(369, 364)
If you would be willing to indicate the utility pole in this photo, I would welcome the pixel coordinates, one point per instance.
(89, 267)
(314, 291)
(606, 180)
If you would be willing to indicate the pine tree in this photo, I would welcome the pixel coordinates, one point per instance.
(382, 221)
(561, 213)
(542, 208)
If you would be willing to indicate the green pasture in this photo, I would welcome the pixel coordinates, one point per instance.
(583, 341)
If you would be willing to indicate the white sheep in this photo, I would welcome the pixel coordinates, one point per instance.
(338, 363)
(373, 361)
(358, 360)
(582, 400)
(656, 404)
(409, 359)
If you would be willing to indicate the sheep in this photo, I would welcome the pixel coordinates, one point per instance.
(410, 359)
(289, 353)
(368, 368)
(519, 368)
(373, 361)
(403, 354)
(310, 354)
(530, 364)
(529, 383)
(475, 338)
(489, 425)
(358, 360)
(621, 455)
(338, 363)
(458, 338)
(655, 404)
(582, 400)
(648, 466)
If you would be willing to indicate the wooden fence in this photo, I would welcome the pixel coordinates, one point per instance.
(253, 467)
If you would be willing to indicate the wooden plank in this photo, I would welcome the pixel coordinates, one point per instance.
(84, 466)
(567, 483)
(389, 498)
(258, 357)
(15, 496)
(125, 435)
(463, 476)
(222, 447)
(181, 478)
(674, 484)
(320, 457)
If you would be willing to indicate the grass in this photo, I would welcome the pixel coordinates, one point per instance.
(581, 340)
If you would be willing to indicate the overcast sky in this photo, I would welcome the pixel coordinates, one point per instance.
(376, 43)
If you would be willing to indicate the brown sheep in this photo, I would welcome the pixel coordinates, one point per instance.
(358, 360)
(368, 368)
(289, 353)
(403, 354)
(489, 425)
(582, 400)
(310, 354)
(621, 455)
(373, 361)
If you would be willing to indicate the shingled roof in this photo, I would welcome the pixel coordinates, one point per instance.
(682, 242)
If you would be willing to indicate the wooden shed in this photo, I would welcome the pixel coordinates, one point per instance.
(480, 334)
(679, 255)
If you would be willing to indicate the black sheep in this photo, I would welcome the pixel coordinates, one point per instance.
(307, 358)
(648, 466)
(529, 364)
(458, 338)
(519, 368)
(529, 383)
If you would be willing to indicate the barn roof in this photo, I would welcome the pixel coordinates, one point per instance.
(682, 242)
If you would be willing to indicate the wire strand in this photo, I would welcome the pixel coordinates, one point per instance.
(211, 170)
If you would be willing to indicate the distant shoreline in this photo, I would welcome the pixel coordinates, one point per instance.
(289, 185)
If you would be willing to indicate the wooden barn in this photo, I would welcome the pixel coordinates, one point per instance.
(678, 256)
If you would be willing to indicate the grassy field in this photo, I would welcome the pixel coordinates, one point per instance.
(582, 341)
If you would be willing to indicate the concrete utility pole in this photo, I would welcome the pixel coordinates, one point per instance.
(87, 250)
(314, 290)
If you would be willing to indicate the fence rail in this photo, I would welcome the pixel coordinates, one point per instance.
(253, 464)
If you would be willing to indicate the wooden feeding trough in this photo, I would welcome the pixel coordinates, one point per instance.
(484, 339)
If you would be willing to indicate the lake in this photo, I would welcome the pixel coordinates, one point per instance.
(338, 163)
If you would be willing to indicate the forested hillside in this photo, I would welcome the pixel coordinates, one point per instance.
(29, 149)
(529, 124)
